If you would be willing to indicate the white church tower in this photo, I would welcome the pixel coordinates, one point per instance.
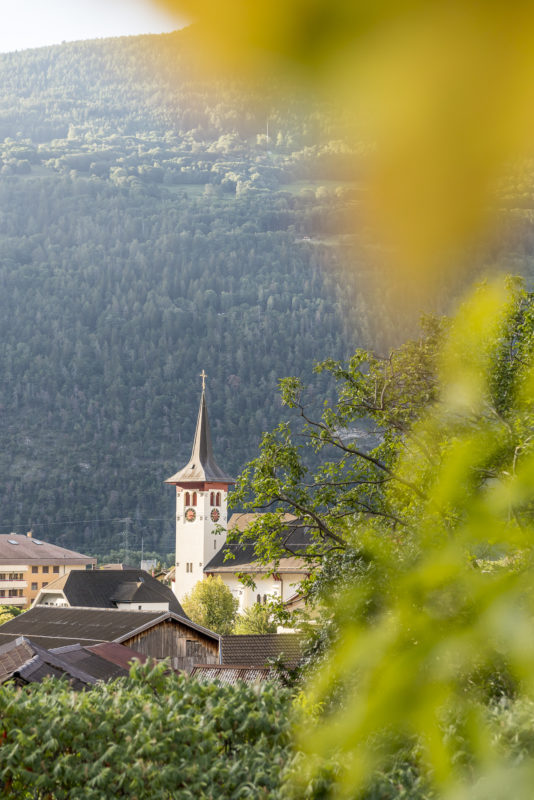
(201, 507)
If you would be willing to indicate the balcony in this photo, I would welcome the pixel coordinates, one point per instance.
(13, 584)
(13, 601)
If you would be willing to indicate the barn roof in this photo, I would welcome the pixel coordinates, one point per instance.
(56, 626)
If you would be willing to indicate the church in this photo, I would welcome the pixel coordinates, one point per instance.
(201, 530)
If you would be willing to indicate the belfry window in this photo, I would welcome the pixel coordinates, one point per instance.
(187, 499)
(212, 498)
(218, 499)
(194, 500)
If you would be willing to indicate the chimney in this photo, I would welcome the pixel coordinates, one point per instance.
(29, 534)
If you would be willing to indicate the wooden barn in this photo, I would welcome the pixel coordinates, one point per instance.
(154, 634)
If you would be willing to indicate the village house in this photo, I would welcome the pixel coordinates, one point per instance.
(28, 564)
(126, 589)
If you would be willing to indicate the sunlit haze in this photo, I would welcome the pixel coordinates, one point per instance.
(36, 23)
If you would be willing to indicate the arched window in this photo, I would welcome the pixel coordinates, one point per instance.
(264, 599)
(212, 498)
(218, 499)
(187, 499)
(194, 500)
(258, 598)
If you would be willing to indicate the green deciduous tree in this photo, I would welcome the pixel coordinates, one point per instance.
(212, 604)
(256, 619)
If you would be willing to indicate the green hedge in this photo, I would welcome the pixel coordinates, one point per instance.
(150, 736)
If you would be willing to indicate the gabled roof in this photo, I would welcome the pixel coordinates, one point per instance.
(297, 539)
(257, 650)
(104, 588)
(202, 466)
(94, 662)
(26, 661)
(16, 549)
(57, 626)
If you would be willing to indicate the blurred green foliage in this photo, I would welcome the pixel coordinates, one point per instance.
(449, 635)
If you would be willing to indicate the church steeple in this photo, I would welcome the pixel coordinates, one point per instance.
(202, 467)
(201, 506)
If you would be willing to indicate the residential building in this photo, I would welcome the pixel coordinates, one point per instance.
(28, 564)
(126, 589)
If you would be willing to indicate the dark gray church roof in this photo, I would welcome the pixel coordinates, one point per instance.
(297, 539)
(202, 466)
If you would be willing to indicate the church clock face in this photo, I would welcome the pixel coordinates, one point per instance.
(190, 515)
(215, 515)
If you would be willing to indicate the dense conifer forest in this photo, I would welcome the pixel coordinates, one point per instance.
(154, 223)
(151, 227)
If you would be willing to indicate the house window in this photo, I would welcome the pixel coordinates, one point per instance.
(2, 576)
(45, 584)
(35, 569)
(34, 587)
(45, 570)
(55, 569)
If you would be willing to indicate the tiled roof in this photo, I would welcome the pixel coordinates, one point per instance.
(100, 588)
(257, 650)
(55, 626)
(12, 656)
(15, 549)
(27, 661)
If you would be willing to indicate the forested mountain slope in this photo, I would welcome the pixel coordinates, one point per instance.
(150, 227)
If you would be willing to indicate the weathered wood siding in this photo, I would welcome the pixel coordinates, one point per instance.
(185, 647)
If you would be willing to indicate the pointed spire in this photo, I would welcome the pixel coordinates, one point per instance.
(202, 466)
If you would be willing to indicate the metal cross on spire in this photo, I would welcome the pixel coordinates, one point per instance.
(203, 376)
